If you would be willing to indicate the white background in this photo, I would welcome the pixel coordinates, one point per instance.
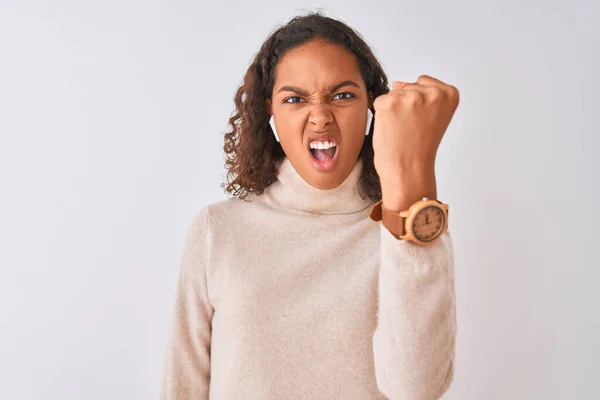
(111, 123)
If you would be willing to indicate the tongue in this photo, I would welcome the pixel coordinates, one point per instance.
(324, 154)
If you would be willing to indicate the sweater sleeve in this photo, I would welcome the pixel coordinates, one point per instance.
(186, 371)
(414, 342)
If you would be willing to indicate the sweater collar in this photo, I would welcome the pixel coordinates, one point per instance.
(292, 191)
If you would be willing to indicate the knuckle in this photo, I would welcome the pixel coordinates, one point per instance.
(454, 93)
(384, 102)
(436, 94)
(379, 102)
(412, 97)
(395, 99)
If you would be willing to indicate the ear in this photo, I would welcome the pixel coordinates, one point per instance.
(371, 99)
(268, 106)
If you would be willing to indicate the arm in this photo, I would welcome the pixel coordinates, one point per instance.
(186, 373)
(414, 342)
(415, 337)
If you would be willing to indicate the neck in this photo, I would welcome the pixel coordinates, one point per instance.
(292, 191)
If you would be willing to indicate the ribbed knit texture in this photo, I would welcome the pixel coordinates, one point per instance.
(298, 294)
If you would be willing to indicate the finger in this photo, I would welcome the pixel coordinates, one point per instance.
(431, 81)
(418, 92)
(398, 85)
(410, 87)
(430, 93)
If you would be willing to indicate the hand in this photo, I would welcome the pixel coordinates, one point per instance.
(410, 122)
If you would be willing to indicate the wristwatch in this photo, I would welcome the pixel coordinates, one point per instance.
(423, 223)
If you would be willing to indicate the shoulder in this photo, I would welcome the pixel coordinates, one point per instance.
(216, 225)
(224, 212)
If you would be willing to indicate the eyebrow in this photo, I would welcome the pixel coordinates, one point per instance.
(333, 88)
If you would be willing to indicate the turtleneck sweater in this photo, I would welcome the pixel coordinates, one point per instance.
(297, 294)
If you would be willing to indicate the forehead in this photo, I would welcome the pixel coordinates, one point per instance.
(316, 65)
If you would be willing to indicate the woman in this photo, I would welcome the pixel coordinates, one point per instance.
(289, 290)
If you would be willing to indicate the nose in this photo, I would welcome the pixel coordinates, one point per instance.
(320, 116)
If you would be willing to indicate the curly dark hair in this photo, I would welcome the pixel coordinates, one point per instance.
(251, 149)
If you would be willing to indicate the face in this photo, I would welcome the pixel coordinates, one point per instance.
(319, 97)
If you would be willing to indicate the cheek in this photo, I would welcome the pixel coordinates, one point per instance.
(294, 125)
(291, 127)
(350, 124)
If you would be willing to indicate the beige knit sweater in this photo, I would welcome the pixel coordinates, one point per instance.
(298, 294)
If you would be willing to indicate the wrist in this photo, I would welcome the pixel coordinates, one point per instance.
(405, 189)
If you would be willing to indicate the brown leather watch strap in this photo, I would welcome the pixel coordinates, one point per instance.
(391, 220)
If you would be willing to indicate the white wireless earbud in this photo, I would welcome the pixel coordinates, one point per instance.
(369, 119)
(272, 123)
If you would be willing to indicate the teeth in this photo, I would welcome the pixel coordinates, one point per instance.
(318, 144)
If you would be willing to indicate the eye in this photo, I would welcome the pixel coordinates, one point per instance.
(350, 95)
(291, 97)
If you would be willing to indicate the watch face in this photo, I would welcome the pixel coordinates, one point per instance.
(429, 223)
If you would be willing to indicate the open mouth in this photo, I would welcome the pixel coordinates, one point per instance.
(324, 154)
